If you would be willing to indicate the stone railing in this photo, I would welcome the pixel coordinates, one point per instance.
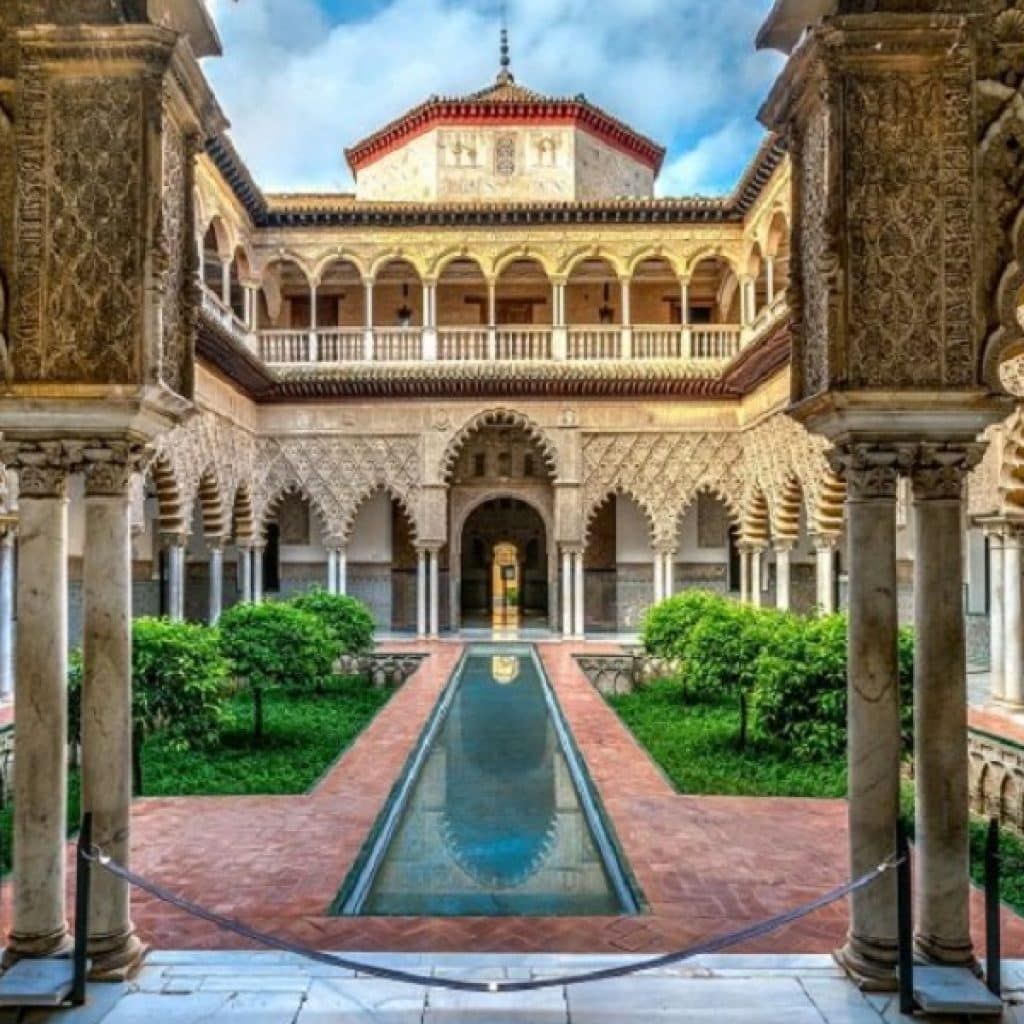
(383, 669)
(214, 308)
(623, 673)
(996, 773)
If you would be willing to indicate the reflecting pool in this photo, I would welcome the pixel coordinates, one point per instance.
(496, 816)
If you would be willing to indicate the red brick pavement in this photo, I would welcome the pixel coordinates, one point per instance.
(706, 864)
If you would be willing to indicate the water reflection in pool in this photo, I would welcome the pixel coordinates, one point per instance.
(494, 823)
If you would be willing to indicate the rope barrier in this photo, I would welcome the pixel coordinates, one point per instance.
(714, 945)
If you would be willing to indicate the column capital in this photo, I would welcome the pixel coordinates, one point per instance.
(871, 471)
(664, 548)
(110, 465)
(785, 544)
(43, 467)
(825, 541)
(174, 540)
(937, 471)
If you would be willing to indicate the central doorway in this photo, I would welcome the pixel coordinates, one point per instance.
(504, 532)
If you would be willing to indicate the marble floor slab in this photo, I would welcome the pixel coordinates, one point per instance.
(270, 988)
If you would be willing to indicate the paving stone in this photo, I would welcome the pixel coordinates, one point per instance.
(242, 982)
(361, 1001)
(665, 1001)
(547, 1006)
(146, 1008)
(840, 1002)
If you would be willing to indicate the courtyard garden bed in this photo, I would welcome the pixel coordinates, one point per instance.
(790, 672)
(304, 734)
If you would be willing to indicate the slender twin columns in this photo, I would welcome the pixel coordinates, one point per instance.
(752, 579)
(39, 925)
(937, 473)
(1006, 611)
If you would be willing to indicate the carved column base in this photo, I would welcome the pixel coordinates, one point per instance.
(934, 951)
(869, 963)
(36, 947)
(115, 957)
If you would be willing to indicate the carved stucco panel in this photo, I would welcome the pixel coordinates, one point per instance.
(79, 315)
(662, 472)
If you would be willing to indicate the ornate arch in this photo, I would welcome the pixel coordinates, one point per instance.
(339, 255)
(592, 252)
(451, 255)
(211, 504)
(397, 255)
(654, 252)
(243, 519)
(360, 498)
(594, 506)
(495, 494)
(173, 511)
(507, 257)
(283, 256)
(500, 417)
(710, 252)
(756, 522)
(664, 470)
(788, 509)
(272, 507)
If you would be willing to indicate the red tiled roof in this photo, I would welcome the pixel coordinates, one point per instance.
(506, 102)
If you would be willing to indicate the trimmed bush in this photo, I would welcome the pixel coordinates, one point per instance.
(348, 622)
(666, 626)
(801, 692)
(793, 668)
(180, 686)
(275, 645)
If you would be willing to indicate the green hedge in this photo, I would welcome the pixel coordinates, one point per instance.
(792, 667)
(180, 687)
(348, 621)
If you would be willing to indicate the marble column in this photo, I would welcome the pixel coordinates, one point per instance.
(1013, 615)
(216, 583)
(332, 571)
(824, 548)
(174, 545)
(7, 561)
(579, 622)
(942, 882)
(433, 557)
(245, 572)
(997, 618)
(567, 590)
(744, 575)
(38, 926)
(115, 951)
(783, 574)
(342, 556)
(669, 573)
(756, 566)
(421, 592)
(873, 712)
(257, 574)
(369, 345)
(659, 577)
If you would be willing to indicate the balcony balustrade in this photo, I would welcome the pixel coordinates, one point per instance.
(703, 343)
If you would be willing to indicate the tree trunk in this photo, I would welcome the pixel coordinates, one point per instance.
(257, 707)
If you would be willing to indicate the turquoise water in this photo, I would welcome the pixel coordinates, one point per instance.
(497, 820)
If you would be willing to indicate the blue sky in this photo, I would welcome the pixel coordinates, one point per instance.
(302, 79)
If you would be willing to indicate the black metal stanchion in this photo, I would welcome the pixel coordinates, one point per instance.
(83, 872)
(904, 922)
(993, 936)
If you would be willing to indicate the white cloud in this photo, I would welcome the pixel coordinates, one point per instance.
(300, 85)
(709, 167)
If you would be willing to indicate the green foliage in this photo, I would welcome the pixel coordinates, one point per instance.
(667, 625)
(348, 622)
(695, 745)
(305, 733)
(179, 683)
(273, 645)
(800, 696)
